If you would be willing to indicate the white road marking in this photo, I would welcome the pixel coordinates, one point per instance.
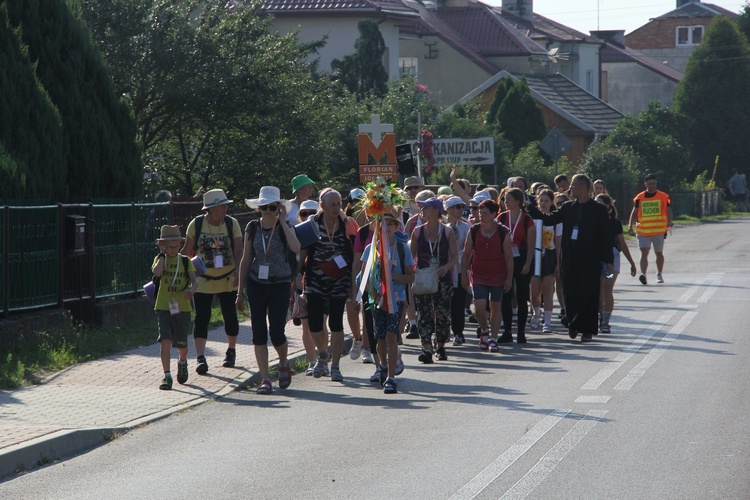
(496, 468)
(553, 457)
(690, 291)
(624, 356)
(638, 371)
(708, 293)
(593, 399)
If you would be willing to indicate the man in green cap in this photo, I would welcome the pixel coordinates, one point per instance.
(302, 189)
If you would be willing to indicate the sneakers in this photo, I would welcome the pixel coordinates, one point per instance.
(642, 279)
(587, 337)
(441, 355)
(336, 374)
(229, 358)
(356, 351)
(605, 329)
(321, 365)
(376, 376)
(285, 376)
(458, 339)
(310, 369)
(413, 332)
(547, 328)
(367, 357)
(493, 346)
(182, 372)
(534, 322)
(390, 386)
(659, 278)
(166, 383)
(202, 367)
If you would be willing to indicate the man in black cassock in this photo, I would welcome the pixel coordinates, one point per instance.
(586, 244)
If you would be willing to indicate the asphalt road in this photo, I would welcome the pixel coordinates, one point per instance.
(657, 409)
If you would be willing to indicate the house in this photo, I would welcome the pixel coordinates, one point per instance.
(565, 105)
(630, 79)
(671, 37)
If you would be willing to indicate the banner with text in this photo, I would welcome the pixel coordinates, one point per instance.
(376, 141)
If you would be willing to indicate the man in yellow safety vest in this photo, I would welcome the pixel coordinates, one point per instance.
(652, 210)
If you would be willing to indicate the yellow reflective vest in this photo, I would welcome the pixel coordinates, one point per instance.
(652, 213)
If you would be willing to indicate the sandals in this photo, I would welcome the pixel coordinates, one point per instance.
(264, 387)
(483, 344)
(493, 346)
(285, 376)
(390, 387)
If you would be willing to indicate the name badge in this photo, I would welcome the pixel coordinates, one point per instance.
(174, 307)
(574, 235)
(218, 260)
(434, 262)
(339, 260)
(263, 272)
(516, 251)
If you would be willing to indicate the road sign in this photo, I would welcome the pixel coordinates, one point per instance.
(479, 151)
(555, 143)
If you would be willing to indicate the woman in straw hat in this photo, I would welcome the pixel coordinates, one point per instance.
(267, 272)
(215, 237)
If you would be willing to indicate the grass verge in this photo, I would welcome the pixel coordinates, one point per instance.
(31, 356)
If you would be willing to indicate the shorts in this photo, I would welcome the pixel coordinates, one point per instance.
(549, 262)
(386, 322)
(481, 292)
(318, 306)
(616, 263)
(174, 328)
(646, 242)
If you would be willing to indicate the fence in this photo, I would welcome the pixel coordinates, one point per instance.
(71, 255)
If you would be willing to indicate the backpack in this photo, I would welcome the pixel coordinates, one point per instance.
(156, 280)
(227, 221)
(290, 257)
(500, 231)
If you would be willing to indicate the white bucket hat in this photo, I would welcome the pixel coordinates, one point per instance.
(268, 195)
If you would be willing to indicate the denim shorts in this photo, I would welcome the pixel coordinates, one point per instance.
(482, 292)
(616, 263)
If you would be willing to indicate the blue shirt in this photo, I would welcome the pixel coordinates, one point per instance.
(399, 289)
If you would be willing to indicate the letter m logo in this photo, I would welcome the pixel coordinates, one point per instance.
(387, 148)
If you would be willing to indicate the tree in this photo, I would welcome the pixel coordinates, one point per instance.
(617, 165)
(32, 163)
(658, 139)
(363, 72)
(501, 91)
(714, 100)
(100, 153)
(519, 118)
(743, 21)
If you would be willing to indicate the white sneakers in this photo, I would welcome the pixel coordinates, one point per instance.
(659, 278)
(356, 349)
(367, 357)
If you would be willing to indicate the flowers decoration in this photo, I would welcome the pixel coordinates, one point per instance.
(381, 197)
(426, 150)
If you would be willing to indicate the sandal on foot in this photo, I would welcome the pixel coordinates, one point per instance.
(493, 346)
(285, 376)
(483, 344)
(264, 387)
(390, 387)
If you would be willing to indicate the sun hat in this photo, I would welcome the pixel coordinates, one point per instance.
(424, 195)
(170, 233)
(444, 190)
(480, 197)
(452, 202)
(432, 202)
(268, 195)
(356, 194)
(413, 181)
(214, 198)
(310, 205)
(300, 181)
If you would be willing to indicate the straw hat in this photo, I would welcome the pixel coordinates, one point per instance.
(268, 195)
(214, 198)
(170, 233)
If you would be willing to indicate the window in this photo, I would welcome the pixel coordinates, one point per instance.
(408, 66)
(689, 35)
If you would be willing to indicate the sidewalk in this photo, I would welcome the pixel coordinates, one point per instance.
(85, 405)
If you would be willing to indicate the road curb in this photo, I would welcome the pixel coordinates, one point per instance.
(62, 444)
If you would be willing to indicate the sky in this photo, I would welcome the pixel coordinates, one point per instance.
(612, 14)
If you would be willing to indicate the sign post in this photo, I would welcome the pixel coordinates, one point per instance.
(376, 140)
(555, 144)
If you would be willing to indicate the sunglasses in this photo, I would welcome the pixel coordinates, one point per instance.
(474, 208)
(271, 208)
(462, 206)
(411, 188)
(307, 213)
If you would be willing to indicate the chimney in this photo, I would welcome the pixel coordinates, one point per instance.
(616, 37)
(520, 8)
(453, 3)
(680, 3)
